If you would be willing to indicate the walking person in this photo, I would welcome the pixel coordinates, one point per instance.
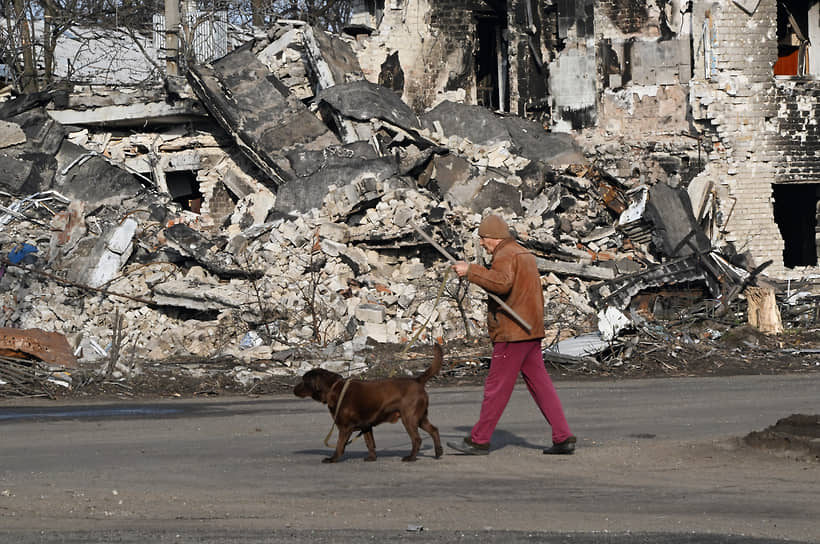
(513, 276)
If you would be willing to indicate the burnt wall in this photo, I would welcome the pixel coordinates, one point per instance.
(453, 24)
(629, 16)
(536, 32)
(798, 143)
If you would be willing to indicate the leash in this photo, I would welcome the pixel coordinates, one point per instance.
(336, 413)
(426, 321)
(490, 294)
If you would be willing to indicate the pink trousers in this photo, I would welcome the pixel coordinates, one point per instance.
(510, 358)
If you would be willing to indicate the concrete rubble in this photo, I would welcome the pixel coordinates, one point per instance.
(267, 216)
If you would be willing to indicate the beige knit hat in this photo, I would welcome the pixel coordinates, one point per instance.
(493, 226)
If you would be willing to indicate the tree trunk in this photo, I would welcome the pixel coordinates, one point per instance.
(762, 310)
(28, 81)
(258, 11)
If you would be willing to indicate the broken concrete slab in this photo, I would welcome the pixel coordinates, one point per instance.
(111, 252)
(133, 114)
(447, 171)
(331, 56)
(497, 194)
(88, 176)
(195, 295)
(305, 162)
(675, 233)
(478, 124)
(535, 143)
(266, 121)
(11, 134)
(363, 101)
(577, 269)
(485, 128)
(355, 186)
(29, 166)
(210, 253)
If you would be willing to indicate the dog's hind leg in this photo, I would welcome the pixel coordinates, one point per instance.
(371, 445)
(412, 428)
(432, 430)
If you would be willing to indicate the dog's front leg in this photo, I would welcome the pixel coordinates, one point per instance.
(371, 445)
(344, 436)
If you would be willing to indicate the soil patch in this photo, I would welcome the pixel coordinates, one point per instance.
(797, 436)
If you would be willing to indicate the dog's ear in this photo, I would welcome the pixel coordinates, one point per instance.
(318, 388)
(317, 384)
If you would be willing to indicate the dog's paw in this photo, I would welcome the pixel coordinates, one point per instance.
(370, 458)
(329, 460)
(409, 458)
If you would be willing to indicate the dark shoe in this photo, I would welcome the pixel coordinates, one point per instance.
(566, 447)
(469, 447)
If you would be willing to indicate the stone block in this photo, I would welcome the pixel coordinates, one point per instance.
(371, 313)
(449, 171)
(356, 259)
(380, 332)
(338, 232)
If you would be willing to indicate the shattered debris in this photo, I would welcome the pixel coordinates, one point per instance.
(265, 219)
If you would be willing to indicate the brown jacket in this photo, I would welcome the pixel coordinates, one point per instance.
(514, 277)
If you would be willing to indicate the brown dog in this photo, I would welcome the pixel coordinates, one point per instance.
(365, 404)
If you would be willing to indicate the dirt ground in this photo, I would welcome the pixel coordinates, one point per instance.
(736, 351)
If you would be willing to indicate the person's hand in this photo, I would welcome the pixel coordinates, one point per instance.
(461, 268)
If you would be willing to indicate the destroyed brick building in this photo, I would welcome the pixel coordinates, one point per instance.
(721, 96)
(270, 196)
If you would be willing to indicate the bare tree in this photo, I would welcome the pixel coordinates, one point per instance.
(30, 58)
(19, 46)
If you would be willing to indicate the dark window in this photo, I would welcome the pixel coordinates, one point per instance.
(491, 64)
(795, 212)
(184, 189)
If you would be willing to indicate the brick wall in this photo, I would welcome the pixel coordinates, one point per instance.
(762, 130)
(797, 141)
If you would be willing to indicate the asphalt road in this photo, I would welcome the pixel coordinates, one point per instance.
(658, 461)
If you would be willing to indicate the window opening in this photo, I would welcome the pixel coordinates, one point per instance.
(798, 38)
(184, 189)
(795, 212)
(491, 63)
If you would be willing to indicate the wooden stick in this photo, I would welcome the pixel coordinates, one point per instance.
(493, 296)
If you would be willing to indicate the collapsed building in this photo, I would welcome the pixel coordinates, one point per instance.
(718, 96)
(272, 197)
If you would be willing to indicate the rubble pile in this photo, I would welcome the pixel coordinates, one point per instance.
(300, 244)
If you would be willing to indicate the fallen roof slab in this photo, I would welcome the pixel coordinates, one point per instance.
(251, 104)
(363, 101)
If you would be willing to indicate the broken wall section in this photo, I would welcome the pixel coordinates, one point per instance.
(486, 53)
(763, 138)
(633, 79)
(621, 83)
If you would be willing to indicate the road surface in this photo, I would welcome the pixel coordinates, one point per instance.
(658, 460)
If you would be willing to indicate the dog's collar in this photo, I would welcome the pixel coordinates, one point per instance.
(336, 411)
(341, 396)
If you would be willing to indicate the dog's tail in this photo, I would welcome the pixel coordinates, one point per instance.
(438, 359)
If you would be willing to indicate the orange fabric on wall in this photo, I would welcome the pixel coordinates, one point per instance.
(787, 65)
